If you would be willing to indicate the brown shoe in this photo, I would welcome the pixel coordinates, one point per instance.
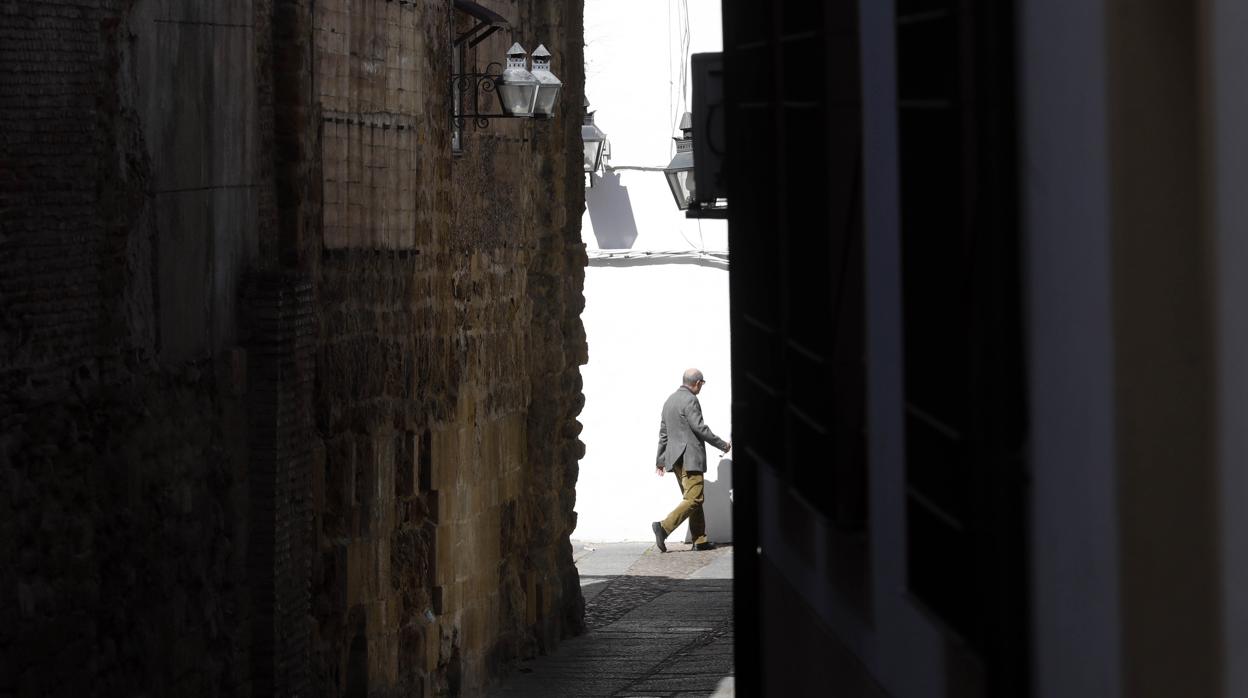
(659, 536)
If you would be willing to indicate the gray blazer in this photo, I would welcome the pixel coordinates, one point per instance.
(683, 433)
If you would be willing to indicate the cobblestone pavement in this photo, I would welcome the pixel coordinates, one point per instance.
(659, 625)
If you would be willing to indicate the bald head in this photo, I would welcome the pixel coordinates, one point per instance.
(693, 378)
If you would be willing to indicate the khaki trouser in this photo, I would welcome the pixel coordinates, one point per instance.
(690, 506)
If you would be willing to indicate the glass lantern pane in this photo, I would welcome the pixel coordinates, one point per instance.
(592, 150)
(682, 186)
(691, 190)
(546, 95)
(517, 100)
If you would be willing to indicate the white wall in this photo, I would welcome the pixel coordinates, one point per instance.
(637, 352)
(649, 320)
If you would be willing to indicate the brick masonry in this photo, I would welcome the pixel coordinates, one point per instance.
(288, 393)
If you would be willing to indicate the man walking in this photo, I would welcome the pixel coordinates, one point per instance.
(682, 449)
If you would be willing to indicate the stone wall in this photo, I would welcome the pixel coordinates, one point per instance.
(448, 375)
(288, 393)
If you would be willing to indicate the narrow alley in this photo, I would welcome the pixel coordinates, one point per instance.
(659, 625)
(334, 332)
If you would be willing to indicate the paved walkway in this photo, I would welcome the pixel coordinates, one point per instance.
(659, 625)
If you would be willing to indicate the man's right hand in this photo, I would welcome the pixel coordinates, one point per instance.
(658, 470)
(726, 450)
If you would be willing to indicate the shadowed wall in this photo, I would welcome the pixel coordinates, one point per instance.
(289, 392)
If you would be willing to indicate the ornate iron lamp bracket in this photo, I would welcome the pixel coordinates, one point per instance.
(467, 92)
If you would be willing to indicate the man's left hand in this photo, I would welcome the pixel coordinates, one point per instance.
(658, 470)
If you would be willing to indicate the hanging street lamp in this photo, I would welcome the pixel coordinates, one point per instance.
(594, 140)
(679, 171)
(547, 84)
(517, 88)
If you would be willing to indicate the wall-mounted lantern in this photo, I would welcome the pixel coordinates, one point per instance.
(519, 91)
(595, 144)
(679, 171)
(680, 178)
(516, 87)
(521, 94)
(547, 84)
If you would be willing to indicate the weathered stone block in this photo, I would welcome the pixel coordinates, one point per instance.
(361, 572)
(406, 464)
(531, 609)
(438, 599)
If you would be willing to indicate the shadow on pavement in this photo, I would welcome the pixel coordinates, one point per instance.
(648, 636)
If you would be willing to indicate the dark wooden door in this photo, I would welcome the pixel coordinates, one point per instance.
(795, 232)
(964, 383)
(793, 96)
